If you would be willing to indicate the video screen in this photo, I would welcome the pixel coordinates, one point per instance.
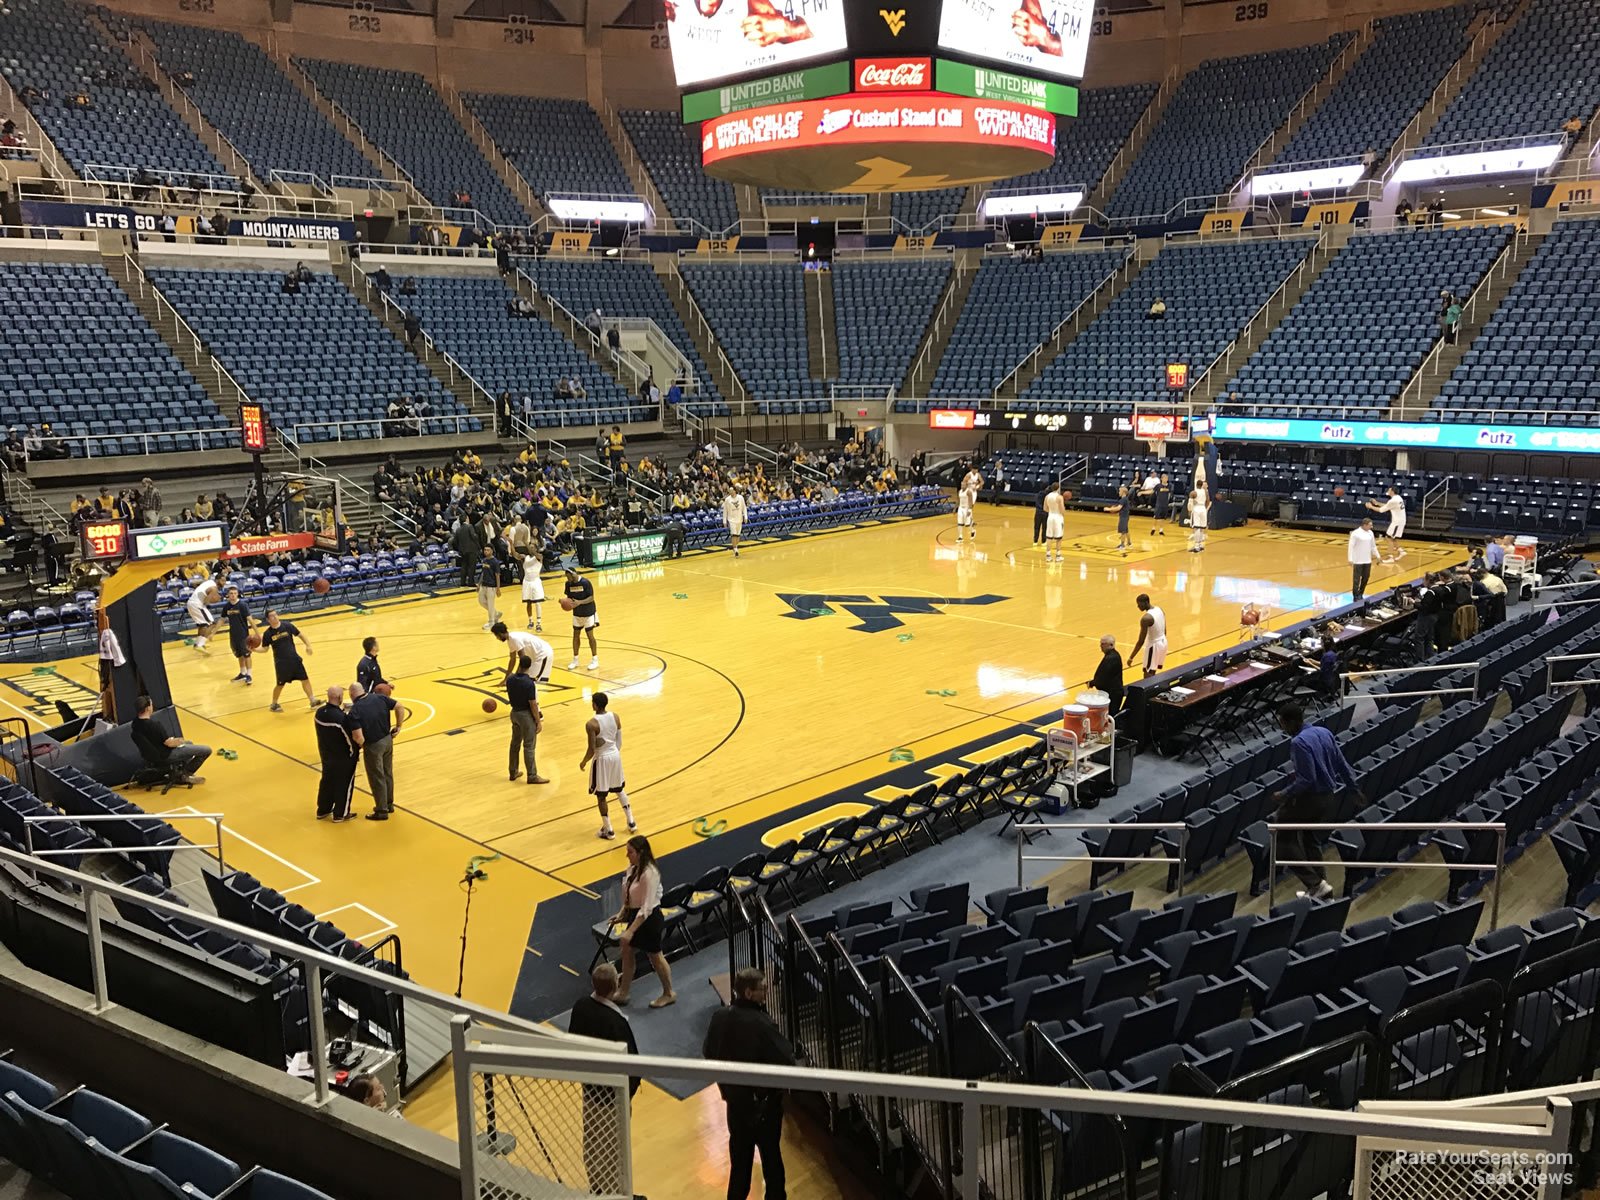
(718, 39)
(1048, 38)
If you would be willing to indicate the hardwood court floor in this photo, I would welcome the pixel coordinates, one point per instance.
(745, 685)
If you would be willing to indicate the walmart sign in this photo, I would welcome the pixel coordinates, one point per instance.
(1406, 435)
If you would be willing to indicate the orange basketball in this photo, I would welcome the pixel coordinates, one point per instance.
(253, 641)
(384, 689)
(321, 586)
(489, 705)
(1066, 495)
(1338, 492)
(566, 604)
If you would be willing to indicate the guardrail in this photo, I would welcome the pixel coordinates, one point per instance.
(456, 370)
(1476, 667)
(86, 443)
(1177, 827)
(214, 848)
(313, 963)
(1568, 683)
(1498, 866)
(682, 370)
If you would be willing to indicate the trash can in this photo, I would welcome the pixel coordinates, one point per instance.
(1288, 510)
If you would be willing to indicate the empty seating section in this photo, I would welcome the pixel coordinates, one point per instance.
(80, 356)
(918, 211)
(1210, 292)
(1220, 113)
(313, 358)
(1371, 105)
(881, 310)
(1540, 351)
(620, 289)
(671, 153)
(1012, 308)
(400, 111)
(244, 94)
(466, 316)
(759, 316)
(1500, 503)
(50, 46)
(1086, 144)
(558, 146)
(1541, 73)
(1364, 326)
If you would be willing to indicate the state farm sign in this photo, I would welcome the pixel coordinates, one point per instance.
(894, 74)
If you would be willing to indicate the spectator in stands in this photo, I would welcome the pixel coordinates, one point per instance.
(169, 227)
(382, 280)
(1492, 592)
(408, 286)
(1571, 128)
(576, 389)
(1436, 212)
(1320, 771)
(290, 285)
(614, 342)
(203, 509)
(502, 258)
(502, 414)
(159, 749)
(675, 394)
(1158, 310)
(594, 323)
(47, 445)
(1108, 675)
(369, 1090)
(14, 450)
(150, 500)
(1402, 212)
(1452, 321)
(597, 1016)
(744, 1032)
(413, 328)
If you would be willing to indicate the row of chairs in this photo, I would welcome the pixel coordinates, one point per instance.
(92, 1148)
(146, 842)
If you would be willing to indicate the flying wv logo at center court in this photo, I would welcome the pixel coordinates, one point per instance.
(896, 21)
(876, 615)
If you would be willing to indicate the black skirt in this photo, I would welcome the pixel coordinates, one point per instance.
(647, 938)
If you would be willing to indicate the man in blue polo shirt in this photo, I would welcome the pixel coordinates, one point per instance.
(373, 710)
(1320, 770)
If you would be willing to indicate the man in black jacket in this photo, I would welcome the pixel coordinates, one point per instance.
(1108, 675)
(743, 1032)
(597, 1016)
(467, 544)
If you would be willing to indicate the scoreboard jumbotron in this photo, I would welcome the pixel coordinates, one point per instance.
(877, 95)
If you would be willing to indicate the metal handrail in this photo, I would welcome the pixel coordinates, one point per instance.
(1183, 846)
(1313, 96)
(202, 351)
(88, 441)
(708, 334)
(1428, 368)
(683, 369)
(1225, 356)
(1498, 866)
(1133, 144)
(43, 147)
(184, 105)
(1073, 318)
(28, 822)
(481, 137)
(314, 964)
(1436, 493)
(452, 365)
(1464, 66)
(1476, 667)
(351, 129)
(936, 325)
(1575, 681)
(636, 368)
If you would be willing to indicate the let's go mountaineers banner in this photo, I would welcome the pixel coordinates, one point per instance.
(126, 220)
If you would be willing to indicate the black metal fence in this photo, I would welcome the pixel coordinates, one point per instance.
(1538, 1027)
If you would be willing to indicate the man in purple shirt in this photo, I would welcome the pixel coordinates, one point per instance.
(1320, 770)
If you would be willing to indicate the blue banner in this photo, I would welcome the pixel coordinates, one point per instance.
(126, 220)
(88, 216)
(1404, 435)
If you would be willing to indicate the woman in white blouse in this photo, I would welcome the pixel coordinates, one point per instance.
(641, 919)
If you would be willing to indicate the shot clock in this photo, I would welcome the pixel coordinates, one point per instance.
(253, 428)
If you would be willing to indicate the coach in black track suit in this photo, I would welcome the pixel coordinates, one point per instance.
(339, 747)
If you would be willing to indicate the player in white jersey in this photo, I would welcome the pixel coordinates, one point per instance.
(1152, 637)
(966, 504)
(205, 594)
(734, 511)
(533, 586)
(1199, 518)
(604, 760)
(1395, 505)
(1055, 524)
(540, 653)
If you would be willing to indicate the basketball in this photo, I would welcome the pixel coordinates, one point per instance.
(1066, 495)
(566, 604)
(489, 705)
(1338, 492)
(384, 689)
(321, 586)
(253, 641)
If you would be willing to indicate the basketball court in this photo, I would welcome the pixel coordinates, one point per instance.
(757, 696)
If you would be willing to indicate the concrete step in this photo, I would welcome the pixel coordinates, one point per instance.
(509, 175)
(822, 344)
(733, 388)
(942, 324)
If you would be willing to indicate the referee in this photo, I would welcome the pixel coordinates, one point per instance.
(339, 747)
(522, 695)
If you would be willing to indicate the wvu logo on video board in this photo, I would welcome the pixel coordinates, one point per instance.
(896, 20)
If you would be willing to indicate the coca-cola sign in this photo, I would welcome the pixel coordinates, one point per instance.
(894, 75)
